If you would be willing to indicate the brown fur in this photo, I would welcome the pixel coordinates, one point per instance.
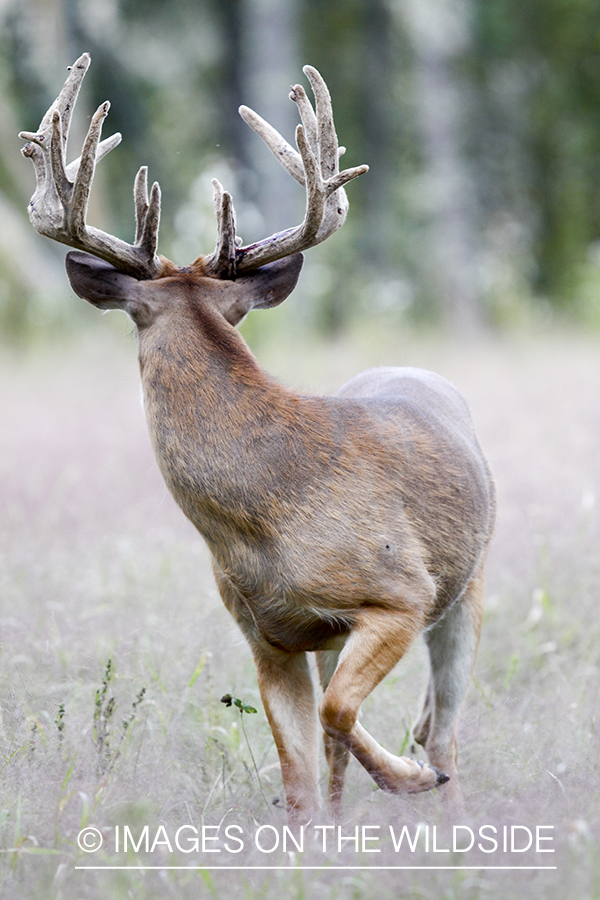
(343, 525)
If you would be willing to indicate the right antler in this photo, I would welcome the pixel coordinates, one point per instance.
(315, 165)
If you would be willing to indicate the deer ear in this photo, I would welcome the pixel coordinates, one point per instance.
(263, 288)
(98, 282)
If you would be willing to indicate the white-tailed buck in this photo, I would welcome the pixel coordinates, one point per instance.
(342, 525)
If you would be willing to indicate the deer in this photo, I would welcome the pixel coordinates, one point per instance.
(342, 526)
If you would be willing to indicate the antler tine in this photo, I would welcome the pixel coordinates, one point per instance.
(59, 204)
(221, 262)
(307, 114)
(147, 213)
(57, 159)
(66, 100)
(289, 158)
(64, 104)
(315, 165)
(104, 147)
(315, 196)
(149, 242)
(140, 197)
(85, 172)
(327, 137)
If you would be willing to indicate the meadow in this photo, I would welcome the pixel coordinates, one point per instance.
(116, 650)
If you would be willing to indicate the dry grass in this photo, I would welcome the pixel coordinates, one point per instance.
(97, 563)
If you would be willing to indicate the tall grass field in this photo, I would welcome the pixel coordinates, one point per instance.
(122, 772)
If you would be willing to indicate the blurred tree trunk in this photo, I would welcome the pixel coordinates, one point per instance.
(269, 65)
(229, 16)
(378, 71)
(439, 32)
(354, 45)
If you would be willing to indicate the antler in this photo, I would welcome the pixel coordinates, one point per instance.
(315, 165)
(59, 205)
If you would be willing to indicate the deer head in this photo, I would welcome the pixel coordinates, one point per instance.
(264, 273)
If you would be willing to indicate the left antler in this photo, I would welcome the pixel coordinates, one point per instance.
(59, 205)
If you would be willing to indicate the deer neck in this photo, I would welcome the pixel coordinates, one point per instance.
(208, 405)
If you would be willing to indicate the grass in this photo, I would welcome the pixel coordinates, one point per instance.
(116, 650)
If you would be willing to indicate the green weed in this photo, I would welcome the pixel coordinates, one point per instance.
(228, 700)
(108, 740)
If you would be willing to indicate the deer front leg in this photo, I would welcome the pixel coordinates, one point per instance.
(287, 693)
(376, 643)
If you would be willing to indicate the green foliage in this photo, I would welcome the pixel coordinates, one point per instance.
(228, 700)
(60, 724)
(538, 145)
(105, 707)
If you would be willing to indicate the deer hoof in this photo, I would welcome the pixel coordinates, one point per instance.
(442, 778)
(427, 778)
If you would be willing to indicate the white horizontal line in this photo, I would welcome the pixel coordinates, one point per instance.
(313, 868)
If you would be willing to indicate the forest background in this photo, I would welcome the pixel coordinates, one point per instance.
(479, 119)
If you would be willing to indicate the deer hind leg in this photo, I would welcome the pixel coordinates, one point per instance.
(452, 643)
(286, 690)
(336, 753)
(378, 639)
